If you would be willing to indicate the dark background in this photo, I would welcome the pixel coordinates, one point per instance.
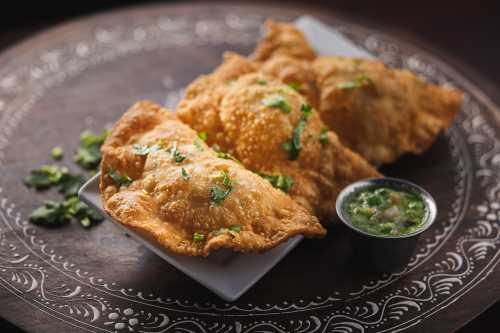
(467, 33)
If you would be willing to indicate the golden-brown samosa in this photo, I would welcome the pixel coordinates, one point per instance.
(160, 179)
(381, 112)
(283, 39)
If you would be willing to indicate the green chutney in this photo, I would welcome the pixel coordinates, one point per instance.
(385, 211)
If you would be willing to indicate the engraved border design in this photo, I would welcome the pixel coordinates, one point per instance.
(92, 308)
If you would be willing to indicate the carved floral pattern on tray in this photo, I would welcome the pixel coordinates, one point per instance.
(28, 261)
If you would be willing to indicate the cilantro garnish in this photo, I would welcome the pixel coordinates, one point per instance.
(119, 179)
(57, 153)
(293, 145)
(70, 184)
(198, 237)
(145, 150)
(45, 177)
(261, 82)
(294, 85)
(185, 175)
(176, 154)
(306, 110)
(359, 81)
(226, 156)
(279, 181)
(88, 154)
(198, 144)
(234, 229)
(323, 136)
(203, 136)
(53, 213)
(80, 210)
(226, 181)
(219, 192)
(277, 102)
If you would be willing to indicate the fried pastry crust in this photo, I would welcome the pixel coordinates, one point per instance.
(380, 112)
(170, 195)
(296, 73)
(255, 133)
(204, 94)
(283, 39)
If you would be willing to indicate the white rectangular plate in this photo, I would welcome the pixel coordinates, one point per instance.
(226, 273)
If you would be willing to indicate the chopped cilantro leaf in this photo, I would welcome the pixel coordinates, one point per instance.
(198, 237)
(306, 110)
(198, 144)
(119, 179)
(45, 177)
(79, 210)
(57, 153)
(226, 156)
(176, 154)
(277, 102)
(203, 136)
(294, 85)
(71, 183)
(86, 222)
(293, 145)
(52, 213)
(279, 181)
(231, 230)
(323, 136)
(261, 82)
(235, 228)
(88, 154)
(219, 193)
(359, 81)
(145, 150)
(185, 175)
(225, 179)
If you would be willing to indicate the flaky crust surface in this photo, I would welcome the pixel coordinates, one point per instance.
(163, 204)
(283, 39)
(255, 134)
(296, 73)
(393, 112)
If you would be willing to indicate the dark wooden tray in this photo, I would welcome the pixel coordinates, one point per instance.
(85, 74)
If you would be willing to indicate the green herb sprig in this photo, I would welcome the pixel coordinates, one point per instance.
(121, 179)
(359, 81)
(176, 154)
(56, 213)
(277, 102)
(145, 150)
(295, 85)
(293, 145)
(279, 181)
(232, 230)
(223, 155)
(219, 192)
(88, 153)
(185, 175)
(198, 237)
(323, 136)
